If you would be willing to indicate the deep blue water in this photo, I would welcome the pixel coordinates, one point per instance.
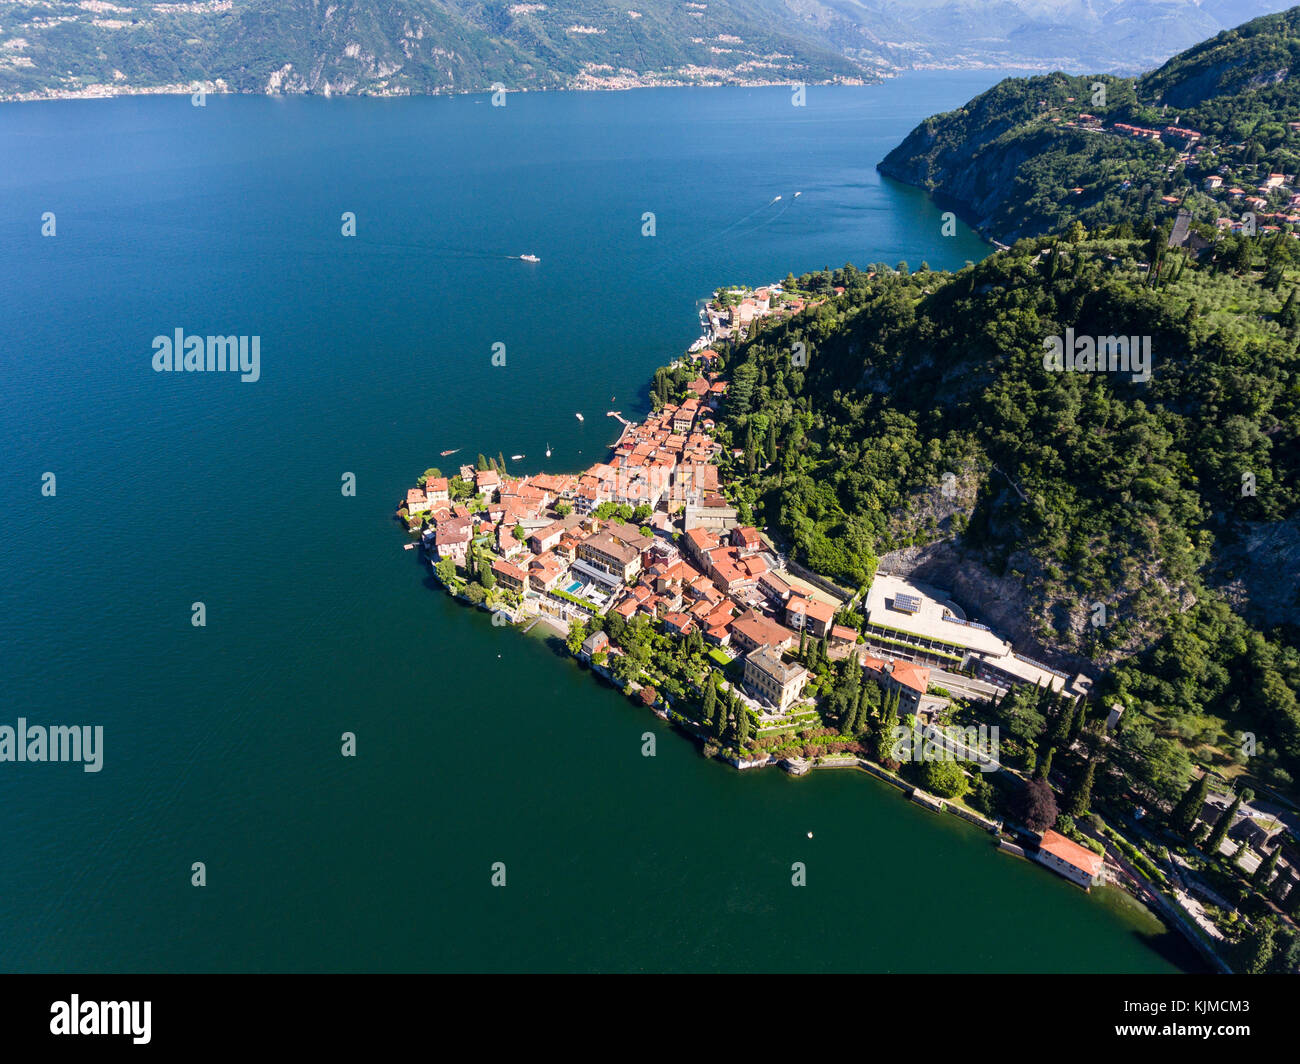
(222, 742)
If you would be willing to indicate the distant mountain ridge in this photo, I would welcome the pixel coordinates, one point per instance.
(404, 47)
(400, 47)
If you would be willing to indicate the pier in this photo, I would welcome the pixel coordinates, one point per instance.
(617, 415)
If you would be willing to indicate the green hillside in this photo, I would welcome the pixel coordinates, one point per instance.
(1032, 154)
(925, 414)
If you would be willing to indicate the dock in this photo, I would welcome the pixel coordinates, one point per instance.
(617, 415)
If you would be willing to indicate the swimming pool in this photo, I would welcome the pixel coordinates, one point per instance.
(574, 587)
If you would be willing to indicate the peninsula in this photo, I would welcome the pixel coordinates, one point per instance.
(666, 588)
(721, 568)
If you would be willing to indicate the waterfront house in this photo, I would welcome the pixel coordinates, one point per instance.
(487, 483)
(771, 680)
(416, 501)
(596, 643)
(452, 538)
(1066, 857)
(436, 490)
(510, 575)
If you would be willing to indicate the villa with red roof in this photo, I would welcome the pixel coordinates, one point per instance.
(1076, 863)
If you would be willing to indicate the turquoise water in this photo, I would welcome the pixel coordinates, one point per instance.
(474, 745)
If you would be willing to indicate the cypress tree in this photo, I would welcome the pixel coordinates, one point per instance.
(1224, 824)
(720, 723)
(482, 464)
(1081, 799)
(1264, 873)
(1064, 722)
(742, 725)
(1045, 766)
(1189, 806)
(1080, 718)
(710, 698)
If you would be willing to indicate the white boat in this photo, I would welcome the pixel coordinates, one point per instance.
(530, 258)
(516, 457)
(579, 417)
(548, 450)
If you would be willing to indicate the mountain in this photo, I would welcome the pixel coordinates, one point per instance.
(1119, 36)
(1145, 527)
(397, 47)
(1214, 131)
(402, 47)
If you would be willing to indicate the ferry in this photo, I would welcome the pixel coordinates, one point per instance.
(530, 258)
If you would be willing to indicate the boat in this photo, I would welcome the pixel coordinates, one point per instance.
(530, 258)
(548, 450)
(445, 453)
(579, 417)
(516, 457)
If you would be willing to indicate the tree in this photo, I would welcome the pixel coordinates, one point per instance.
(943, 778)
(1037, 806)
(563, 508)
(485, 575)
(446, 570)
(1081, 799)
(1264, 873)
(482, 464)
(885, 733)
(1064, 723)
(1183, 817)
(742, 725)
(1224, 823)
(1045, 767)
(710, 698)
(577, 635)
(1259, 948)
(519, 533)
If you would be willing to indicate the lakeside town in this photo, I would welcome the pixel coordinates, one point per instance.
(657, 583)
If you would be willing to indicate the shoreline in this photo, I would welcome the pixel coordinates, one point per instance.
(178, 89)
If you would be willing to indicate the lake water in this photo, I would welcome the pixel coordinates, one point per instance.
(475, 745)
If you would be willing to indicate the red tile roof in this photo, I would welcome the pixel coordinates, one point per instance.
(1071, 852)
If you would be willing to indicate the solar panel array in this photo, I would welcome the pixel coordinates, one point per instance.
(907, 603)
